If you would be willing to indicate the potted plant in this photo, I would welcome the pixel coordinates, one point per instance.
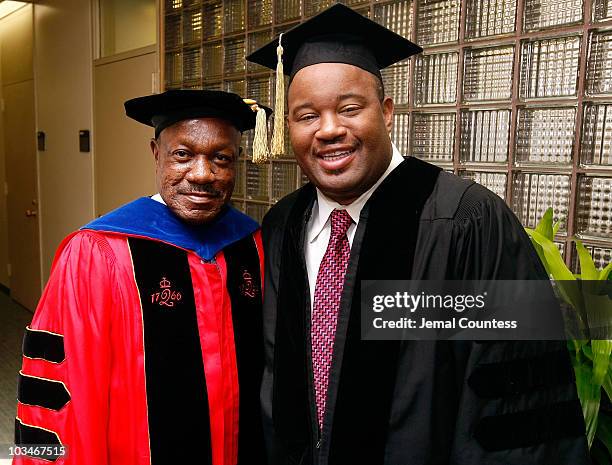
(590, 358)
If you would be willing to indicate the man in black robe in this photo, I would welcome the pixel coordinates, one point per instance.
(390, 402)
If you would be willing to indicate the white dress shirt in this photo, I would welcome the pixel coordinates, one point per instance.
(158, 198)
(318, 228)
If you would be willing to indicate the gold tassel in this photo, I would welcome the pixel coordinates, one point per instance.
(260, 141)
(278, 138)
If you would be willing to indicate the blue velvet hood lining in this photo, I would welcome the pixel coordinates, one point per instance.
(146, 217)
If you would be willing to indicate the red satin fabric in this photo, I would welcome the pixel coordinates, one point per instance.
(92, 300)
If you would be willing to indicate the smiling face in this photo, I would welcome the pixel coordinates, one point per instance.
(339, 128)
(195, 163)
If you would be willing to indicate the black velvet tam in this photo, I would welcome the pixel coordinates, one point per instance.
(163, 110)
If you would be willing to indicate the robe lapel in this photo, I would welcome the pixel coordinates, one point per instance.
(366, 380)
(291, 396)
(244, 288)
(177, 398)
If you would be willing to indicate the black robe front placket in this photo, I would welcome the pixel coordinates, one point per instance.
(408, 402)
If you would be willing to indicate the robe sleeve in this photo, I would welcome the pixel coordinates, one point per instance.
(518, 402)
(63, 394)
(490, 242)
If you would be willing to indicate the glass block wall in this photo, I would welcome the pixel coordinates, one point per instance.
(513, 94)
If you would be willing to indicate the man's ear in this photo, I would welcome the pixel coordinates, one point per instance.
(155, 150)
(388, 106)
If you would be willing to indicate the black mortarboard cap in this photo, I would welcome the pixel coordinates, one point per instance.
(337, 35)
(172, 106)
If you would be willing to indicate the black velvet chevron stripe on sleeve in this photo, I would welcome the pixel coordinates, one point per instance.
(43, 345)
(513, 377)
(530, 427)
(28, 435)
(42, 392)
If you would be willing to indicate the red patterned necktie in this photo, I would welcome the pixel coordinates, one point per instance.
(328, 291)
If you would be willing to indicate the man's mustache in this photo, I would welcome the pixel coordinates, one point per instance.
(201, 189)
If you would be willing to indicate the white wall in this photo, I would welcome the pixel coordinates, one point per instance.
(124, 164)
(127, 25)
(63, 76)
(4, 258)
(16, 67)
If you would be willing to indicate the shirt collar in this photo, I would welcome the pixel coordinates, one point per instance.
(325, 206)
(158, 198)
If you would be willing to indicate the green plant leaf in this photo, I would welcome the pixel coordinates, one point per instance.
(587, 266)
(545, 226)
(605, 273)
(607, 384)
(601, 360)
(557, 269)
(539, 251)
(574, 346)
(604, 431)
(599, 453)
(587, 350)
(556, 227)
(590, 397)
(552, 257)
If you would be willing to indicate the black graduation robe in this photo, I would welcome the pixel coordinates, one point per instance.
(413, 402)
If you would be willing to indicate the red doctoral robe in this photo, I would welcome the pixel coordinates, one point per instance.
(145, 348)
